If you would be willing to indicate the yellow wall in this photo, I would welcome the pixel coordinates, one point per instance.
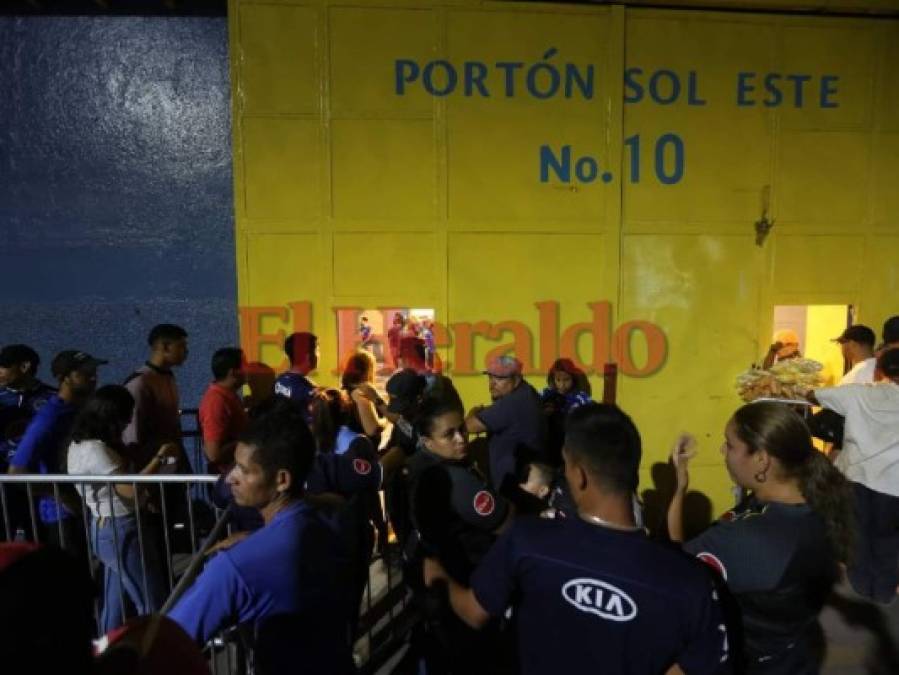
(823, 324)
(350, 194)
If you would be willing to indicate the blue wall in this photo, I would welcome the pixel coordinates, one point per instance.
(116, 197)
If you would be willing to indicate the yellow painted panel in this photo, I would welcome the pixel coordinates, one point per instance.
(385, 264)
(580, 37)
(847, 53)
(888, 89)
(494, 169)
(881, 278)
(282, 268)
(886, 178)
(703, 292)
(817, 264)
(823, 323)
(278, 60)
(281, 168)
(365, 45)
(494, 141)
(822, 177)
(727, 148)
(495, 277)
(727, 169)
(383, 169)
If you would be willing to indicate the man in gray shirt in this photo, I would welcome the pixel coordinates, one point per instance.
(514, 422)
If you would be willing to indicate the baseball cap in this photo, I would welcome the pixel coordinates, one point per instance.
(404, 387)
(72, 359)
(11, 355)
(888, 363)
(857, 333)
(787, 336)
(503, 366)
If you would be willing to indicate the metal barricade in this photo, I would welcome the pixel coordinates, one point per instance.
(182, 538)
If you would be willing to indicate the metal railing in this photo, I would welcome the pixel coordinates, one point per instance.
(182, 534)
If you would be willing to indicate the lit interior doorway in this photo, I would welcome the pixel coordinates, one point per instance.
(385, 332)
(817, 326)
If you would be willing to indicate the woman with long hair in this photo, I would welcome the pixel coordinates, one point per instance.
(357, 380)
(778, 550)
(567, 388)
(97, 449)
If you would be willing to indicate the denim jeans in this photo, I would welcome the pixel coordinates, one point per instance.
(873, 568)
(116, 545)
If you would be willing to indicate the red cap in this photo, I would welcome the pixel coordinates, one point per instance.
(503, 366)
(150, 644)
(11, 553)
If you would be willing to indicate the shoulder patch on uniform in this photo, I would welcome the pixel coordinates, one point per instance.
(362, 467)
(714, 562)
(484, 503)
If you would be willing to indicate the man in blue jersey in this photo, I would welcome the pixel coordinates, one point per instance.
(21, 395)
(43, 448)
(302, 352)
(289, 580)
(595, 587)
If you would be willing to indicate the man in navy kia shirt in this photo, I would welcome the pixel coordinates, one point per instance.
(594, 587)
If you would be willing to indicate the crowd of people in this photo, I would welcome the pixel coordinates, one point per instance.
(524, 550)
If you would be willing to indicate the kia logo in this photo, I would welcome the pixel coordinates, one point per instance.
(599, 598)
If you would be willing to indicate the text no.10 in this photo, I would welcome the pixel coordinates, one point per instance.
(668, 162)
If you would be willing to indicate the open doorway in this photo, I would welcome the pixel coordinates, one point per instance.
(396, 337)
(816, 327)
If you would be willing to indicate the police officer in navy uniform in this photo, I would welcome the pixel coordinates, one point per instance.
(346, 481)
(456, 516)
(592, 593)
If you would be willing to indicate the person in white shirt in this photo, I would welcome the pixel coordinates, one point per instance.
(870, 460)
(132, 569)
(857, 344)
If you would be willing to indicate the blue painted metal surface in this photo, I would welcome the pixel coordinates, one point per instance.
(116, 196)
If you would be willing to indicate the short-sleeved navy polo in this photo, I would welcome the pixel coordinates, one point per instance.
(590, 599)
